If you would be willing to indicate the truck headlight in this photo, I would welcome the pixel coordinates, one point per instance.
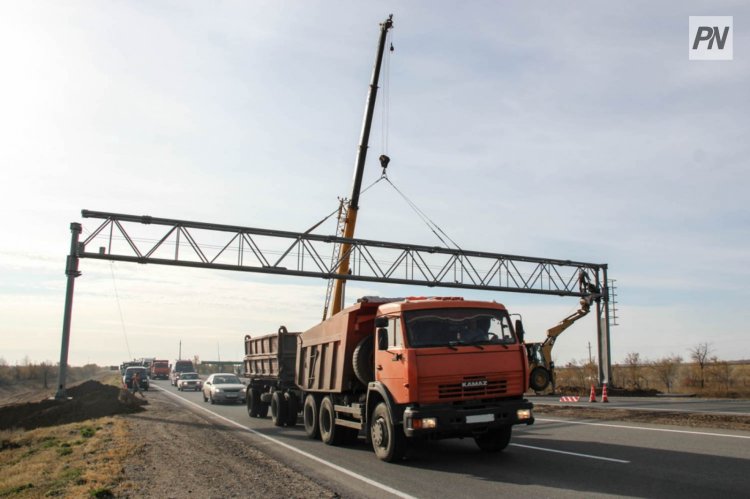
(423, 423)
(522, 414)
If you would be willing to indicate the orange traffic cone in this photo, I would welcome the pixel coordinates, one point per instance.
(604, 393)
(592, 397)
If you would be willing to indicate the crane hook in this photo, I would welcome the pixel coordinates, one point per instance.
(384, 160)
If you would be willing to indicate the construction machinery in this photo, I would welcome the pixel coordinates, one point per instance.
(541, 366)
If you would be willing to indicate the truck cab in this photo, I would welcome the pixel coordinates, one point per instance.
(451, 368)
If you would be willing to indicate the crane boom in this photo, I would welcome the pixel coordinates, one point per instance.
(351, 211)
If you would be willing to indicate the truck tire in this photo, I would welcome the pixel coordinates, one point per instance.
(310, 416)
(494, 440)
(388, 440)
(363, 360)
(292, 408)
(279, 409)
(330, 434)
(539, 379)
(253, 402)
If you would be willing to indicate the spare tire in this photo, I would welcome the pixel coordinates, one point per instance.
(363, 360)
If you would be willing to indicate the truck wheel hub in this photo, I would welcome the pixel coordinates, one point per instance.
(379, 433)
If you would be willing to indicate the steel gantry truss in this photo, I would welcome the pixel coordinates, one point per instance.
(145, 239)
(248, 249)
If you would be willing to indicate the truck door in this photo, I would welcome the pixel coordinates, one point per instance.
(391, 362)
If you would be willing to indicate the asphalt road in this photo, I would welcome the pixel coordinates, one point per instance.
(552, 458)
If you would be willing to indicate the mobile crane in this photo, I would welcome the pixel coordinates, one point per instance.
(541, 367)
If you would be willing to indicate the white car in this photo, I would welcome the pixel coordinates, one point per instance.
(189, 381)
(224, 387)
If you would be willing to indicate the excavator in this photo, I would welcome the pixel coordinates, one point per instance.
(541, 367)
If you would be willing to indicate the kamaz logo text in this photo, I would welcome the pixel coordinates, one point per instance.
(711, 38)
(474, 384)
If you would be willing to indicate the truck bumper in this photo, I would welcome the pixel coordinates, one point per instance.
(447, 421)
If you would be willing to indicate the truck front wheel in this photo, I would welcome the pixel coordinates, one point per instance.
(388, 441)
(494, 440)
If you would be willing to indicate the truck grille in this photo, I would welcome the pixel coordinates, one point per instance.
(492, 388)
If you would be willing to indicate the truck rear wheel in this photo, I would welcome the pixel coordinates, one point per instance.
(539, 379)
(279, 409)
(253, 402)
(310, 416)
(388, 441)
(292, 406)
(494, 440)
(330, 434)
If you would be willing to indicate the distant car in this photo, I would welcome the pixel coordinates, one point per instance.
(189, 381)
(224, 387)
(179, 367)
(127, 379)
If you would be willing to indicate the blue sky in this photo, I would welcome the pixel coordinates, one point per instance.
(577, 131)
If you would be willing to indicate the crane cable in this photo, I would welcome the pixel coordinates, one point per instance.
(435, 228)
(386, 100)
(117, 299)
(119, 308)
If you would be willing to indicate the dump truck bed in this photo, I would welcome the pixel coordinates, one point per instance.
(272, 356)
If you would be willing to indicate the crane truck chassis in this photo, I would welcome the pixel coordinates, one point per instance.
(393, 370)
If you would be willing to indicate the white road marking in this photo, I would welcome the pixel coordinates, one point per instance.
(588, 456)
(336, 467)
(704, 433)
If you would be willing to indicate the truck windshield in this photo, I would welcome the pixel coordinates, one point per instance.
(457, 326)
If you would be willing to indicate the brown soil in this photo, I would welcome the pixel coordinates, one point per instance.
(90, 399)
(182, 454)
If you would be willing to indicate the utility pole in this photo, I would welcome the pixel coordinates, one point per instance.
(591, 360)
(71, 270)
(179, 355)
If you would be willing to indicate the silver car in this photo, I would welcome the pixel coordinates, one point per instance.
(189, 381)
(224, 387)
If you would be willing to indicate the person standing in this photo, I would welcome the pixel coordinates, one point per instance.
(136, 384)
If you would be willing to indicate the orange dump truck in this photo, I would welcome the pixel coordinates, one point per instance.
(393, 370)
(160, 369)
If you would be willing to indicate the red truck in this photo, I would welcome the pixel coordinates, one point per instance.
(393, 370)
(160, 369)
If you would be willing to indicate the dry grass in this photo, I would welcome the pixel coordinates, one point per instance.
(73, 460)
(84, 459)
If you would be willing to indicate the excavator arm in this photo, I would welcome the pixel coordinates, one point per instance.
(541, 367)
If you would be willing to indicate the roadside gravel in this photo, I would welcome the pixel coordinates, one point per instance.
(181, 454)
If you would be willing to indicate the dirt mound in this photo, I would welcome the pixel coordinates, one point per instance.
(90, 399)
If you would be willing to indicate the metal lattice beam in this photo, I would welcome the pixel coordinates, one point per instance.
(144, 239)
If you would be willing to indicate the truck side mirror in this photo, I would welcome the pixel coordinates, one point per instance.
(381, 322)
(519, 330)
(382, 338)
